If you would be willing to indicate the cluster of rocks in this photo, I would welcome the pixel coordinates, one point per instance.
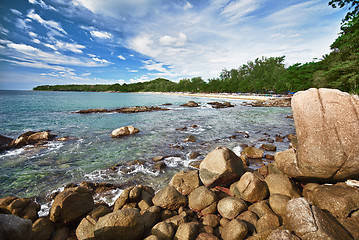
(221, 105)
(213, 104)
(29, 138)
(135, 109)
(290, 198)
(277, 102)
(124, 131)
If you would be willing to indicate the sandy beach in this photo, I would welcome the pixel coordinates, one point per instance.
(218, 95)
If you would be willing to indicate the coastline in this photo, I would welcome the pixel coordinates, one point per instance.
(217, 95)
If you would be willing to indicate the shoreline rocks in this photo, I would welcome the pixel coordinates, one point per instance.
(278, 102)
(135, 109)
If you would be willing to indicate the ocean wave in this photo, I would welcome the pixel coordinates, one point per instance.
(13, 152)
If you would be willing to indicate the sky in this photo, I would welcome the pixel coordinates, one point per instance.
(48, 42)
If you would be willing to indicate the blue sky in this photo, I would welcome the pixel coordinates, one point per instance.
(126, 41)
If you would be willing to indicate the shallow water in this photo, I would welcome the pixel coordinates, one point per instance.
(90, 151)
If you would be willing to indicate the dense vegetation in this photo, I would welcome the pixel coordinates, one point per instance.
(339, 69)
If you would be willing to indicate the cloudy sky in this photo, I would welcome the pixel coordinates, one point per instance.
(125, 41)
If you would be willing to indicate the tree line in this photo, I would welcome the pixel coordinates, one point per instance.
(339, 69)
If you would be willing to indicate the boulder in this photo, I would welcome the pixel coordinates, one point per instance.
(211, 220)
(339, 199)
(40, 136)
(206, 236)
(14, 227)
(202, 200)
(278, 203)
(187, 231)
(163, 231)
(269, 147)
(138, 195)
(86, 229)
(125, 224)
(151, 217)
(22, 207)
(71, 204)
(261, 208)
(267, 222)
(190, 104)
(221, 167)
(234, 230)
(309, 222)
(231, 207)
(4, 143)
(252, 152)
(185, 182)
(169, 198)
(281, 184)
(327, 126)
(61, 233)
(42, 229)
(250, 218)
(124, 131)
(250, 188)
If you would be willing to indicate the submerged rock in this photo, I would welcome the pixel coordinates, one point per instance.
(4, 143)
(221, 105)
(135, 109)
(327, 126)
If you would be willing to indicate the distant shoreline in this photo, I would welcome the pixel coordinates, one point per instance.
(218, 95)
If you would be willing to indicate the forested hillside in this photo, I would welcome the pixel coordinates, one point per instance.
(338, 69)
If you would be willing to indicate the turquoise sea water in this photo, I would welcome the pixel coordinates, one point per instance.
(91, 151)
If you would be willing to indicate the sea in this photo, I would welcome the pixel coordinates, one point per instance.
(90, 152)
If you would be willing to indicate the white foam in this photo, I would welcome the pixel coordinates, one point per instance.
(237, 150)
(14, 152)
(145, 170)
(101, 176)
(109, 197)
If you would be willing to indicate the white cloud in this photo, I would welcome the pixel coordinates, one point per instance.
(86, 74)
(171, 41)
(4, 30)
(131, 70)
(42, 4)
(151, 66)
(21, 23)
(99, 34)
(73, 47)
(36, 41)
(54, 27)
(32, 34)
(143, 44)
(187, 6)
(118, 9)
(121, 57)
(16, 12)
(237, 9)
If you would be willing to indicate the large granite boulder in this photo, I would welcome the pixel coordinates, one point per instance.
(231, 207)
(281, 184)
(42, 229)
(169, 198)
(71, 204)
(339, 199)
(202, 200)
(125, 224)
(221, 167)
(310, 223)
(22, 207)
(327, 126)
(185, 182)
(14, 227)
(250, 188)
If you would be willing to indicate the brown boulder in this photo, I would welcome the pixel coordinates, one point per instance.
(250, 188)
(85, 230)
(125, 224)
(281, 184)
(269, 147)
(252, 152)
(234, 230)
(71, 204)
(185, 182)
(4, 143)
(278, 203)
(22, 207)
(169, 198)
(187, 231)
(202, 200)
(221, 167)
(310, 223)
(267, 222)
(190, 104)
(327, 126)
(231, 207)
(163, 231)
(339, 199)
(42, 229)
(282, 235)
(40, 136)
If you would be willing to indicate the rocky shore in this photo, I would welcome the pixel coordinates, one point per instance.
(310, 191)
